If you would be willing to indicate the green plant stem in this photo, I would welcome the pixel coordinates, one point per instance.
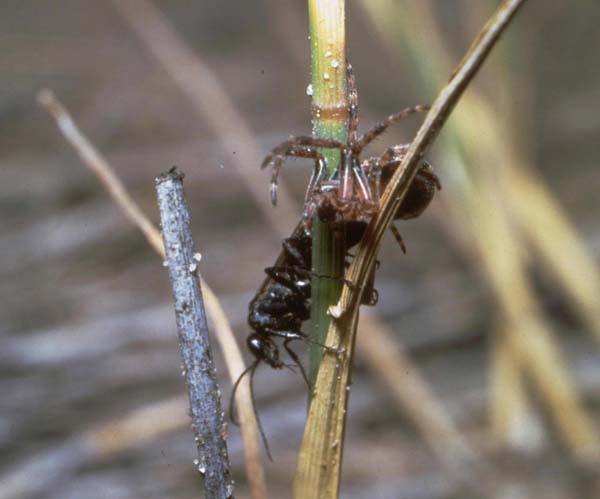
(329, 119)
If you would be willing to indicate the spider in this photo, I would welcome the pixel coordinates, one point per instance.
(352, 193)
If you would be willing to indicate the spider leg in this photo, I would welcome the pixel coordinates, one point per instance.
(352, 105)
(297, 152)
(303, 140)
(398, 237)
(364, 190)
(315, 178)
(382, 126)
(346, 186)
(373, 169)
(394, 153)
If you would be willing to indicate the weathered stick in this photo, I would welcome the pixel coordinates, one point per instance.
(204, 394)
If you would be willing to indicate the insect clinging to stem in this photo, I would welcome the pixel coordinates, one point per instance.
(347, 201)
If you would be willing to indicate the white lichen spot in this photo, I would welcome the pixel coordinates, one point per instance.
(335, 63)
(326, 76)
(309, 89)
(229, 489)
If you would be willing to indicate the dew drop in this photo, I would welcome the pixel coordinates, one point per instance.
(229, 489)
(197, 257)
(328, 53)
(165, 263)
(335, 63)
(193, 267)
(309, 89)
(326, 76)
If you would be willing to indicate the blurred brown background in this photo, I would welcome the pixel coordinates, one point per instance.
(87, 333)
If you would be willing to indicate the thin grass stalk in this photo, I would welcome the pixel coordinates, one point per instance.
(329, 111)
(512, 418)
(319, 464)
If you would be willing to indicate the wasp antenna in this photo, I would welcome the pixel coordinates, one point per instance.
(260, 428)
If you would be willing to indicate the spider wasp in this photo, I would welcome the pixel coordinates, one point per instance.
(347, 201)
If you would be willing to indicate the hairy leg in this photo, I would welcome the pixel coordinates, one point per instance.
(297, 152)
(382, 126)
(352, 105)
